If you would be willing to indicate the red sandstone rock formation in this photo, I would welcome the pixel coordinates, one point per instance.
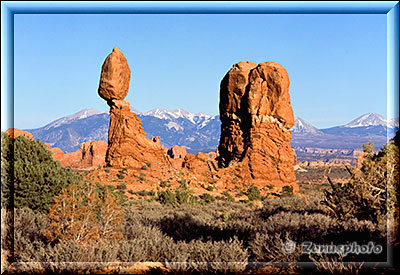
(14, 132)
(212, 155)
(156, 140)
(256, 118)
(90, 155)
(177, 152)
(201, 165)
(177, 156)
(128, 146)
(115, 76)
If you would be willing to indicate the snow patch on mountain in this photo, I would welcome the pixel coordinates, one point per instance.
(369, 119)
(303, 127)
(393, 123)
(176, 114)
(174, 125)
(71, 118)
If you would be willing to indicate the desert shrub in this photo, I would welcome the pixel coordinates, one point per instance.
(335, 264)
(163, 184)
(287, 190)
(103, 191)
(210, 187)
(240, 194)
(145, 242)
(98, 251)
(144, 193)
(268, 247)
(166, 197)
(207, 197)
(7, 235)
(183, 194)
(221, 256)
(28, 233)
(31, 245)
(253, 193)
(228, 196)
(208, 257)
(142, 249)
(142, 177)
(122, 187)
(81, 214)
(29, 175)
(372, 189)
(121, 175)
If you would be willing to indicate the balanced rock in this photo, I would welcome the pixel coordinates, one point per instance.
(115, 76)
(256, 117)
(128, 146)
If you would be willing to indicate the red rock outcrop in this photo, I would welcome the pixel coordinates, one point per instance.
(128, 146)
(201, 165)
(90, 155)
(156, 140)
(256, 117)
(14, 132)
(177, 152)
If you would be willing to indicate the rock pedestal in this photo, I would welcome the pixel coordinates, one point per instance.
(128, 146)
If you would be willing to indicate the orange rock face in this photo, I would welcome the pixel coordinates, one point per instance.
(177, 152)
(91, 154)
(115, 76)
(201, 165)
(177, 156)
(256, 117)
(14, 132)
(128, 146)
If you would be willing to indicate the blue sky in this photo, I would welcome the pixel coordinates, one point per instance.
(336, 63)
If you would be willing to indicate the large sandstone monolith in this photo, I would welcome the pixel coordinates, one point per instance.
(128, 146)
(256, 117)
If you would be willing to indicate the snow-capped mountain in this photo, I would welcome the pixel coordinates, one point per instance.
(303, 127)
(201, 132)
(370, 119)
(370, 124)
(194, 131)
(68, 119)
(393, 123)
(175, 114)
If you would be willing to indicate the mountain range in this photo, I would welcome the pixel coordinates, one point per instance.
(201, 132)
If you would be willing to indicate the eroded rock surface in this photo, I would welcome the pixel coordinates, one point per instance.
(128, 146)
(256, 117)
(177, 152)
(14, 132)
(91, 154)
(115, 76)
